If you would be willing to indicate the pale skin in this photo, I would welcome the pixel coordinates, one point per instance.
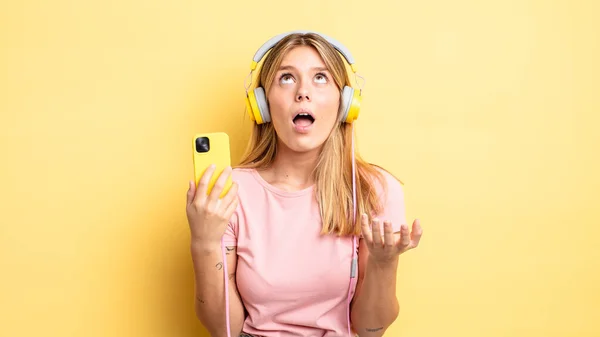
(301, 82)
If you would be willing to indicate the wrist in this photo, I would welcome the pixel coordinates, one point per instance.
(204, 246)
(390, 264)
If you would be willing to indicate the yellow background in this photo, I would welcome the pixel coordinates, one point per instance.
(487, 110)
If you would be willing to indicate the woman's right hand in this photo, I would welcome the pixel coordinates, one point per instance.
(208, 215)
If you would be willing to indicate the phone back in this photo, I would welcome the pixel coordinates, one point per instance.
(211, 148)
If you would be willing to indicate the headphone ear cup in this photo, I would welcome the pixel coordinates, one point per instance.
(350, 104)
(263, 107)
(251, 105)
(256, 104)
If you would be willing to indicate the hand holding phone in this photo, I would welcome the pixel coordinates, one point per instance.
(212, 149)
(212, 196)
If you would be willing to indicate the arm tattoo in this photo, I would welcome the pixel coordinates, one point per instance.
(219, 265)
(374, 329)
(200, 300)
(229, 249)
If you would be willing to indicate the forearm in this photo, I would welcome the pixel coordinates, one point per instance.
(210, 293)
(376, 307)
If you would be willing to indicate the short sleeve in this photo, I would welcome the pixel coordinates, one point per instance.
(230, 235)
(392, 201)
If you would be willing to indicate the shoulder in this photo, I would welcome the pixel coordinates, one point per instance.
(386, 184)
(242, 172)
(244, 177)
(246, 188)
(390, 192)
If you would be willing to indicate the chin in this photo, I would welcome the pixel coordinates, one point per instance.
(302, 144)
(302, 147)
(302, 140)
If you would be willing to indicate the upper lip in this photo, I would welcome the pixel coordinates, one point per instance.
(304, 111)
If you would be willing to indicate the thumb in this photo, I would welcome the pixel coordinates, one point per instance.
(191, 191)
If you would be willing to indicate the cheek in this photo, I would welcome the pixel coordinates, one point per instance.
(276, 105)
(329, 104)
(279, 111)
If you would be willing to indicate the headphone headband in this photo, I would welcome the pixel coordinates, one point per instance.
(260, 53)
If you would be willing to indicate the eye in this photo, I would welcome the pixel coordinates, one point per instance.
(286, 78)
(321, 78)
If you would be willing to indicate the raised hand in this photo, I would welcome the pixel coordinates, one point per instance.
(387, 246)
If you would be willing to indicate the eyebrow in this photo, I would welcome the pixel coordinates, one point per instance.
(290, 67)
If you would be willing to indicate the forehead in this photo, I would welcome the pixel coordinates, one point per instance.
(302, 56)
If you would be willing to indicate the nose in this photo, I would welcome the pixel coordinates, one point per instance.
(302, 94)
(302, 97)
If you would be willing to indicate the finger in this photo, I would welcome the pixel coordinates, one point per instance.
(366, 230)
(404, 236)
(231, 208)
(416, 234)
(376, 232)
(388, 234)
(202, 189)
(218, 187)
(190, 192)
(230, 196)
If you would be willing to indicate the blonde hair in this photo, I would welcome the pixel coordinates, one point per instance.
(333, 172)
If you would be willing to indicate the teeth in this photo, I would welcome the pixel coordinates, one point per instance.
(304, 114)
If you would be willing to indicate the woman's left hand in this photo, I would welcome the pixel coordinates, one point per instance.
(386, 246)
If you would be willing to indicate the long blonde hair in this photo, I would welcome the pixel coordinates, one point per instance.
(333, 172)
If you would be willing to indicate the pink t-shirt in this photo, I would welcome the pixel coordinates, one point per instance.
(293, 281)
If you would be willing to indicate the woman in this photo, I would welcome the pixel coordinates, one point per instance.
(289, 221)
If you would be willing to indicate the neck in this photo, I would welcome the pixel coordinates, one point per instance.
(293, 170)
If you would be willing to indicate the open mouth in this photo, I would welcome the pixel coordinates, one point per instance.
(303, 119)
